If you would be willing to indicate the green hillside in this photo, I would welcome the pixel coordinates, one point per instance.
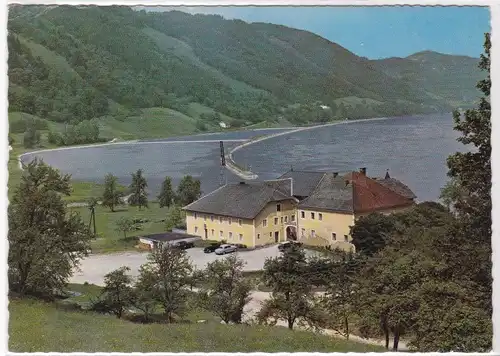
(55, 330)
(68, 64)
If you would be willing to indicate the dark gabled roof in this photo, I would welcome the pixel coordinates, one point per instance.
(331, 194)
(168, 236)
(304, 182)
(353, 193)
(397, 186)
(242, 200)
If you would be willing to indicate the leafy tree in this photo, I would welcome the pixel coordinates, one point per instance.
(451, 193)
(369, 233)
(31, 138)
(291, 299)
(11, 140)
(45, 240)
(144, 297)
(111, 196)
(172, 270)
(167, 196)
(469, 251)
(125, 225)
(138, 196)
(175, 217)
(188, 191)
(117, 291)
(225, 292)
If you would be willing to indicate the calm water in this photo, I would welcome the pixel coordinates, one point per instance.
(414, 149)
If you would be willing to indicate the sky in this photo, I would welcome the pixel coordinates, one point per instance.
(377, 32)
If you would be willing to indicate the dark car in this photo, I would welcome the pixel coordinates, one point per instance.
(241, 246)
(183, 245)
(288, 244)
(211, 248)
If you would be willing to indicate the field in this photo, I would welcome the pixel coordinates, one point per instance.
(56, 330)
(109, 239)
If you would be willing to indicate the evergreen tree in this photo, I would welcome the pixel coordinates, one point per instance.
(188, 191)
(167, 196)
(45, 241)
(111, 196)
(138, 195)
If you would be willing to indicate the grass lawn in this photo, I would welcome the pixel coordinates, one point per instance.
(109, 239)
(41, 327)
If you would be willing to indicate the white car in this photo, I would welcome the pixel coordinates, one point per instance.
(223, 249)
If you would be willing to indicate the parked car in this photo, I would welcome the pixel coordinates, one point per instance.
(214, 246)
(288, 244)
(223, 249)
(183, 245)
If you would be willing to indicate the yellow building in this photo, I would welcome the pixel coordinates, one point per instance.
(316, 208)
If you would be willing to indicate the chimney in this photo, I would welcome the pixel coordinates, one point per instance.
(363, 171)
(387, 176)
(335, 174)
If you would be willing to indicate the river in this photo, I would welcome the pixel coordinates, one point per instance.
(414, 149)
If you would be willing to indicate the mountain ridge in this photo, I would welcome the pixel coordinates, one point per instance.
(250, 72)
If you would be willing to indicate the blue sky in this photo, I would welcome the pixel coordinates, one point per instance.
(377, 32)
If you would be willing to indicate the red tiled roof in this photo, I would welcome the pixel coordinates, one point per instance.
(369, 195)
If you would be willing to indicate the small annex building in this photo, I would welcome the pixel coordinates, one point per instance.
(152, 241)
(316, 208)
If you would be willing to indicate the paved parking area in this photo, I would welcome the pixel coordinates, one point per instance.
(95, 267)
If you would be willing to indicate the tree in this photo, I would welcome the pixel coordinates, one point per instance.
(144, 291)
(369, 233)
(125, 225)
(188, 191)
(175, 217)
(45, 241)
(11, 140)
(167, 196)
(111, 196)
(172, 270)
(225, 292)
(31, 137)
(117, 291)
(292, 299)
(138, 195)
(470, 249)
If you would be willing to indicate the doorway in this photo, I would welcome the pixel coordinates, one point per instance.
(276, 236)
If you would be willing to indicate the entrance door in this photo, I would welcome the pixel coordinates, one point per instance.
(276, 236)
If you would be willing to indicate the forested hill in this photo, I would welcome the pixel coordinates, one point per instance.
(76, 63)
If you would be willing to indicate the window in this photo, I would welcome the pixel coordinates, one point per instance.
(282, 219)
(303, 232)
(303, 214)
(241, 237)
(346, 238)
(220, 219)
(320, 216)
(275, 221)
(271, 234)
(229, 220)
(258, 236)
(334, 236)
(213, 232)
(230, 235)
(313, 233)
(264, 222)
(239, 222)
(211, 218)
(278, 207)
(195, 216)
(221, 233)
(312, 216)
(292, 218)
(286, 218)
(195, 229)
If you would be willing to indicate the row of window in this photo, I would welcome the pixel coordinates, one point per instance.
(334, 235)
(221, 233)
(313, 215)
(276, 233)
(283, 219)
(221, 219)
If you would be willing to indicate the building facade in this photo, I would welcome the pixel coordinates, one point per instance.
(316, 208)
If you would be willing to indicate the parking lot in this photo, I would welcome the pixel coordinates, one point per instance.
(94, 267)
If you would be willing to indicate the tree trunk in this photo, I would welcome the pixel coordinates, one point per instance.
(396, 339)
(346, 325)
(386, 333)
(290, 323)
